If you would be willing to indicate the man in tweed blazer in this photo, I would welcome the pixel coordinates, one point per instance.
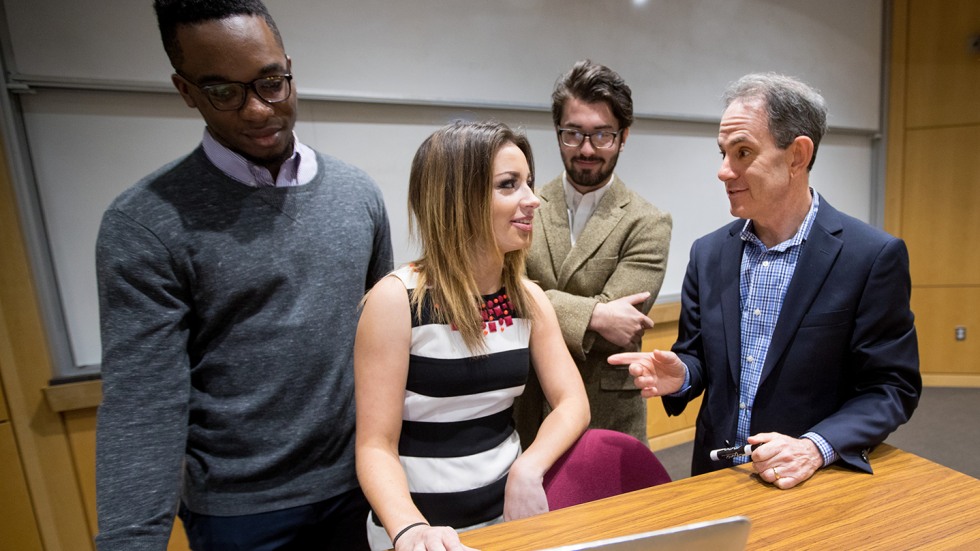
(599, 250)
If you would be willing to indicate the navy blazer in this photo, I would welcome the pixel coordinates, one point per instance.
(843, 361)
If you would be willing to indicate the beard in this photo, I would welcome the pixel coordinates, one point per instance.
(592, 177)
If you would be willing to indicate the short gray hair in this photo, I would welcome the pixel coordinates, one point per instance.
(792, 106)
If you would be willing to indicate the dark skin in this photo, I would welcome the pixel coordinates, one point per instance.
(238, 49)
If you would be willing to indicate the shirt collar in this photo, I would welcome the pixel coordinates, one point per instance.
(748, 230)
(299, 169)
(573, 197)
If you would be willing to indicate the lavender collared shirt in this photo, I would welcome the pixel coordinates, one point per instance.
(299, 169)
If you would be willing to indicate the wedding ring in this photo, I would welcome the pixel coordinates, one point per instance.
(775, 473)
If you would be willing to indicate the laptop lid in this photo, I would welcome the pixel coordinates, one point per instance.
(727, 534)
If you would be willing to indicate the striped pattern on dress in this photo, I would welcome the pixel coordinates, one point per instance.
(458, 440)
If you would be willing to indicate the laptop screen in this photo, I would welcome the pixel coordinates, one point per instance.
(727, 534)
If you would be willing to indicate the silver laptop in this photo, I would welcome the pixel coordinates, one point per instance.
(727, 534)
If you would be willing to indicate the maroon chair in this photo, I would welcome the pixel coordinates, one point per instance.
(601, 464)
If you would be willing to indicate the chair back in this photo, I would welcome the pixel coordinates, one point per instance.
(601, 464)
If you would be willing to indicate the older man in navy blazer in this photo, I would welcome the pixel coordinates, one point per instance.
(795, 319)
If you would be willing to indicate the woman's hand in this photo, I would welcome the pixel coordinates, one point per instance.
(430, 538)
(524, 494)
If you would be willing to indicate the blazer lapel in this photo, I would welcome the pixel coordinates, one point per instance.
(555, 227)
(607, 215)
(728, 274)
(819, 253)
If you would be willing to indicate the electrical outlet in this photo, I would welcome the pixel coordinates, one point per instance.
(960, 332)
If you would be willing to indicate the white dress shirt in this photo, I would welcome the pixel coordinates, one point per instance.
(581, 206)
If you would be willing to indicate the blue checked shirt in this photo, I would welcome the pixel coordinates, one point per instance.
(764, 277)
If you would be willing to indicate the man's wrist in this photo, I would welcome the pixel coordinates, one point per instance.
(595, 320)
(687, 382)
(824, 449)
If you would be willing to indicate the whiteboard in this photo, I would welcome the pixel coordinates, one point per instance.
(88, 144)
(677, 55)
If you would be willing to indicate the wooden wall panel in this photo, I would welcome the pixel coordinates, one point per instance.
(943, 74)
(178, 538)
(25, 369)
(895, 127)
(18, 526)
(81, 436)
(665, 431)
(942, 196)
(938, 311)
(933, 177)
(4, 416)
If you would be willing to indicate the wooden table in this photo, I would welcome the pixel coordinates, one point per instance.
(909, 503)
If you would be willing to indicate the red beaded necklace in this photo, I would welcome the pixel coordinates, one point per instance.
(496, 314)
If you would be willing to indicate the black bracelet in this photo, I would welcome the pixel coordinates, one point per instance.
(394, 540)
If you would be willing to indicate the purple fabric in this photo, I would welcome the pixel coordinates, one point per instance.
(299, 169)
(603, 463)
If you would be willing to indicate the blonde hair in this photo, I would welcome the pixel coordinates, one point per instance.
(450, 194)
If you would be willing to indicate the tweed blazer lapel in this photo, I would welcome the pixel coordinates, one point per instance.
(816, 260)
(607, 215)
(555, 227)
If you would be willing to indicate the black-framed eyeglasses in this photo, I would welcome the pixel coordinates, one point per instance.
(230, 96)
(603, 139)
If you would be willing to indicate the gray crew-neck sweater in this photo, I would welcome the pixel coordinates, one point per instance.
(228, 316)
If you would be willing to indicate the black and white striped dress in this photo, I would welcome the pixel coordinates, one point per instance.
(458, 440)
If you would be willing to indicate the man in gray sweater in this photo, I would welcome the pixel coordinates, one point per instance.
(229, 284)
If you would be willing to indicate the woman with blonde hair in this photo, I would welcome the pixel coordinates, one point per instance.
(444, 346)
